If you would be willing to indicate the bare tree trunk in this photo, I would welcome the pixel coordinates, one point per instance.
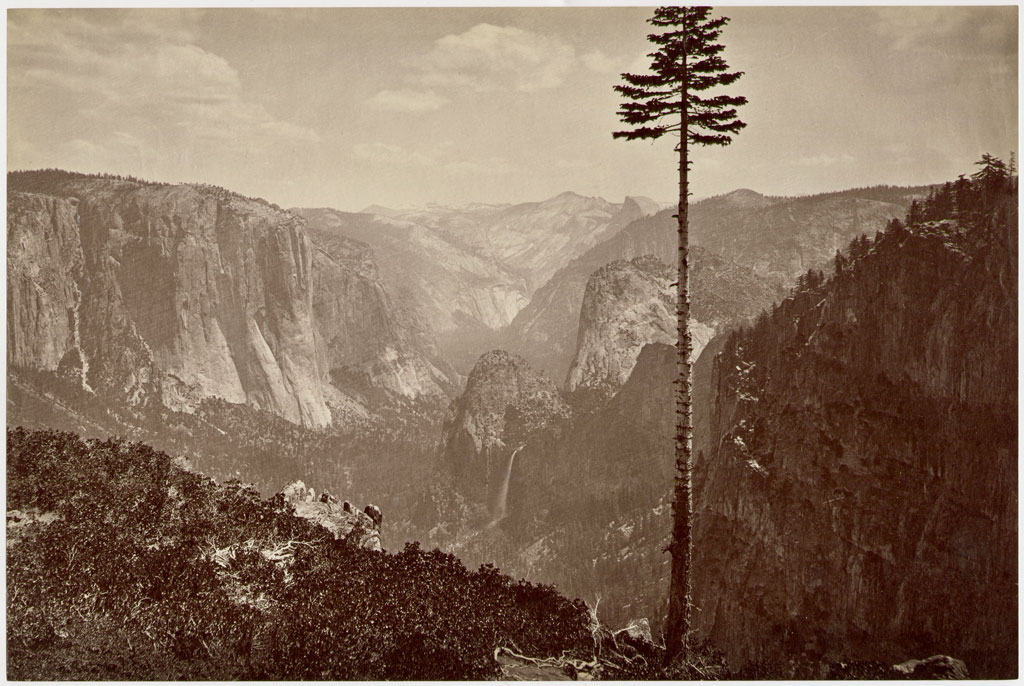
(681, 547)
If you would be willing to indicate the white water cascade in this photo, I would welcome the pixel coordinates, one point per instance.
(502, 509)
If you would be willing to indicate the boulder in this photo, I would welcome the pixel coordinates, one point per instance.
(935, 667)
(374, 513)
(295, 491)
(636, 639)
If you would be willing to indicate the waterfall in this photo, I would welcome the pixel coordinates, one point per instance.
(502, 508)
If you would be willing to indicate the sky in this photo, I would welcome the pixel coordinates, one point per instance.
(346, 107)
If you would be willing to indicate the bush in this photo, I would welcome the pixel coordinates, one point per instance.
(122, 584)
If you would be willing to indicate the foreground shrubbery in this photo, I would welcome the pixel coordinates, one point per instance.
(122, 585)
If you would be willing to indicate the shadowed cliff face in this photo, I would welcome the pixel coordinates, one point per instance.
(860, 492)
(364, 339)
(504, 401)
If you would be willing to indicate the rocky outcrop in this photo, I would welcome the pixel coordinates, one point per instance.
(626, 305)
(180, 293)
(341, 519)
(935, 667)
(363, 340)
(465, 272)
(723, 293)
(860, 493)
(504, 402)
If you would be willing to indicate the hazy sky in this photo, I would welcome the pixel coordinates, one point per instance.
(347, 107)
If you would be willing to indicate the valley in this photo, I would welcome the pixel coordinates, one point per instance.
(288, 347)
(512, 343)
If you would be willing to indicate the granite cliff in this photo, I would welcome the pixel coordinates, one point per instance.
(746, 249)
(367, 342)
(626, 305)
(463, 273)
(504, 401)
(167, 293)
(150, 293)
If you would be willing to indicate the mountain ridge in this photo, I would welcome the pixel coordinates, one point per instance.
(863, 432)
(175, 293)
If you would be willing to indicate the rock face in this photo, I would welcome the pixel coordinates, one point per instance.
(504, 401)
(935, 667)
(860, 491)
(172, 293)
(722, 292)
(363, 340)
(745, 250)
(780, 238)
(343, 523)
(625, 306)
(632, 436)
(44, 265)
(464, 273)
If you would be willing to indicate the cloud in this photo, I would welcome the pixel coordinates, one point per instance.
(991, 30)
(491, 166)
(85, 149)
(488, 58)
(388, 155)
(406, 100)
(601, 63)
(825, 160)
(439, 157)
(287, 131)
(134, 74)
(641, 64)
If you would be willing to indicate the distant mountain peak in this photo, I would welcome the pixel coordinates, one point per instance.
(566, 198)
(646, 206)
(379, 209)
(744, 197)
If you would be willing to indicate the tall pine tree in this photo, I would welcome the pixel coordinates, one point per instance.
(679, 97)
